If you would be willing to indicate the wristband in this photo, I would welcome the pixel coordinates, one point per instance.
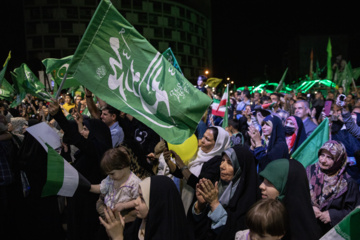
(183, 168)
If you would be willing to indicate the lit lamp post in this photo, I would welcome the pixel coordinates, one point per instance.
(206, 72)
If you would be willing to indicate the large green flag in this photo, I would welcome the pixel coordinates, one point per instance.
(122, 68)
(2, 72)
(329, 55)
(307, 152)
(169, 55)
(6, 90)
(30, 83)
(57, 68)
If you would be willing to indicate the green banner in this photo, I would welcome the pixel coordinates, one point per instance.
(169, 55)
(28, 82)
(57, 68)
(122, 68)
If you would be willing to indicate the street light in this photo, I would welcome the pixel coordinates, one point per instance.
(206, 72)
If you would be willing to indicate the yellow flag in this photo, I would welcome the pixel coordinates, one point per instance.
(7, 59)
(213, 82)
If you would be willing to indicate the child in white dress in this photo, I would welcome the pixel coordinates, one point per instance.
(119, 189)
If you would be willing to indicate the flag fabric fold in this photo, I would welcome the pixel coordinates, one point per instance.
(307, 152)
(169, 55)
(62, 178)
(123, 69)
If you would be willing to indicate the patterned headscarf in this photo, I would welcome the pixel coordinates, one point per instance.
(325, 185)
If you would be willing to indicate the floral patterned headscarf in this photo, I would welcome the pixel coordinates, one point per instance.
(326, 185)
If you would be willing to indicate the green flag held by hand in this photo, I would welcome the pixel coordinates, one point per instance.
(58, 68)
(122, 68)
(307, 153)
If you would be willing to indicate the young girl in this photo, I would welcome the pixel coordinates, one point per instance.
(120, 188)
(266, 220)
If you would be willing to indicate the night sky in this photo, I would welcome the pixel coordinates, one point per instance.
(248, 36)
(257, 34)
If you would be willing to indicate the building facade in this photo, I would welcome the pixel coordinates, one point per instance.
(53, 28)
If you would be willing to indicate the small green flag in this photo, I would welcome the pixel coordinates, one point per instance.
(19, 89)
(57, 68)
(122, 68)
(2, 72)
(30, 83)
(329, 66)
(307, 152)
(169, 55)
(62, 178)
(280, 85)
(226, 115)
(6, 90)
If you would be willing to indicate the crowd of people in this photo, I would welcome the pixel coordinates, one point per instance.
(242, 183)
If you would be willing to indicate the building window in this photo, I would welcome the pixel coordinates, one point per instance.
(54, 27)
(137, 5)
(158, 32)
(49, 42)
(37, 42)
(72, 13)
(73, 41)
(67, 27)
(153, 19)
(167, 8)
(142, 17)
(85, 13)
(157, 7)
(126, 4)
(30, 28)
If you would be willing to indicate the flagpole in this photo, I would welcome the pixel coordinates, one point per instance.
(60, 87)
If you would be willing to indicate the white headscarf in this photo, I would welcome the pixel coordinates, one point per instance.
(222, 143)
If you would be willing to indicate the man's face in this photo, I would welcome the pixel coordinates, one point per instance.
(300, 110)
(67, 99)
(107, 117)
(274, 99)
(256, 96)
(330, 96)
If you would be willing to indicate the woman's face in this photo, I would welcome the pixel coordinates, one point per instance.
(289, 123)
(141, 208)
(268, 190)
(326, 160)
(266, 129)
(207, 142)
(85, 132)
(226, 169)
